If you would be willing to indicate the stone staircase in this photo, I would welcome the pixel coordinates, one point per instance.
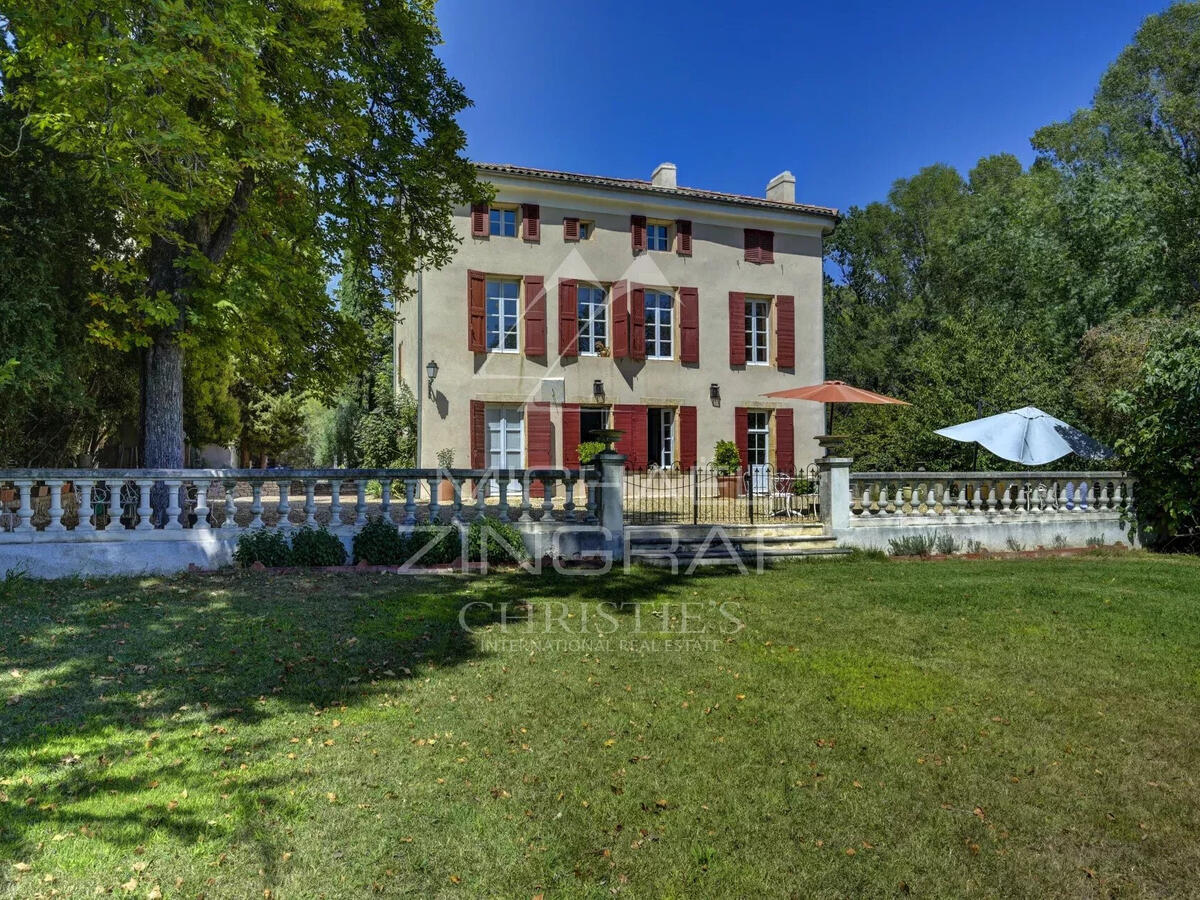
(686, 546)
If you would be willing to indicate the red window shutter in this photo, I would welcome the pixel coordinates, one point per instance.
(535, 315)
(689, 325)
(737, 328)
(785, 332)
(570, 229)
(785, 442)
(766, 247)
(741, 433)
(637, 233)
(683, 237)
(687, 437)
(750, 242)
(531, 216)
(476, 312)
(570, 435)
(568, 315)
(479, 220)
(623, 422)
(539, 447)
(637, 322)
(641, 442)
(620, 320)
(478, 436)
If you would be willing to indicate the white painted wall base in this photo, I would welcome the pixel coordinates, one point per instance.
(992, 531)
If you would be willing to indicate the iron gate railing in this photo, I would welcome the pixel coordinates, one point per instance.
(703, 496)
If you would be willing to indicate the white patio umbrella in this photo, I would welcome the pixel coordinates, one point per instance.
(1028, 436)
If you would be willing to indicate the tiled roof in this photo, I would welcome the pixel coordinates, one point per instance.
(636, 184)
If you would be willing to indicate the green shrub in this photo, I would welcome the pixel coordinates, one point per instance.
(803, 486)
(503, 542)
(317, 548)
(726, 459)
(445, 545)
(380, 544)
(268, 547)
(588, 450)
(913, 545)
(946, 544)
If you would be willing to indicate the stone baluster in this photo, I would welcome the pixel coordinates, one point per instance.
(230, 488)
(201, 508)
(115, 489)
(385, 499)
(526, 509)
(25, 511)
(435, 510)
(172, 523)
(1117, 498)
(480, 485)
(961, 504)
(591, 487)
(948, 497)
(456, 510)
(1006, 499)
(360, 503)
(256, 505)
(85, 505)
(1103, 495)
(410, 501)
(335, 504)
(1019, 506)
(883, 498)
(569, 502)
(144, 510)
(1052, 496)
(930, 499)
(56, 509)
(864, 499)
(284, 508)
(990, 501)
(310, 502)
(548, 486)
(502, 480)
(977, 499)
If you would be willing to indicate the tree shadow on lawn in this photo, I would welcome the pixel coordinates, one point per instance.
(121, 685)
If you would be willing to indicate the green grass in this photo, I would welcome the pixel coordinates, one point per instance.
(987, 728)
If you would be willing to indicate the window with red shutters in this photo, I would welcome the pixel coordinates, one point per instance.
(620, 320)
(760, 245)
(568, 322)
(640, 443)
(570, 229)
(531, 220)
(476, 312)
(785, 442)
(689, 325)
(539, 446)
(570, 435)
(479, 220)
(637, 322)
(478, 435)
(785, 332)
(623, 422)
(535, 315)
(637, 233)
(683, 237)
(741, 433)
(631, 420)
(737, 328)
(687, 437)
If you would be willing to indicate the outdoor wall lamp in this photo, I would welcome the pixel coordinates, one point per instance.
(431, 371)
(598, 388)
(714, 392)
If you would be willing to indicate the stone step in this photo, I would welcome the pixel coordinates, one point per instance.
(710, 558)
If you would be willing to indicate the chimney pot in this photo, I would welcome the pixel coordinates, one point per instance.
(664, 175)
(782, 188)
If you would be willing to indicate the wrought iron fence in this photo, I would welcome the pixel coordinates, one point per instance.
(705, 495)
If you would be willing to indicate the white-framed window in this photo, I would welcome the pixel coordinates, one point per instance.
(660, 433)
(505, 443)
(758, 449)
(502, 221)
(592, 302)
(503, 298)
(659, 325)
(757, 312)
(656, 236)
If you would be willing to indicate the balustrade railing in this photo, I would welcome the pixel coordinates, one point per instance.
(125, 503)
(887, 494)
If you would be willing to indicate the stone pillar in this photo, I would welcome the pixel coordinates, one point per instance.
(835, 492)
(610, 508)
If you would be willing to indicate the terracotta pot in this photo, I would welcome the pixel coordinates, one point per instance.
(445, 491)
(727, 486)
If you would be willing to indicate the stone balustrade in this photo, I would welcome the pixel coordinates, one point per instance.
(939, 494)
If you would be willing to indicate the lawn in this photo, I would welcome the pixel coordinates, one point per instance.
(872, 728)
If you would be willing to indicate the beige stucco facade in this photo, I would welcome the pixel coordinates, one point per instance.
(433, 323)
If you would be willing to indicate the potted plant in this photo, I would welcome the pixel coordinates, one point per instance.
(445, 460)
(587, 451)
(726, 461)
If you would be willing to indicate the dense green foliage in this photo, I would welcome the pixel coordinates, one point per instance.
(726, 459)
(588, 450)
(266, 546)
(317, 547)
(1045, 286)
(379, 543)
(437, 545)
(497, 542)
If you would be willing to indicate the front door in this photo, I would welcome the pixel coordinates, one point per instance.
(758, 451)
(506, 443)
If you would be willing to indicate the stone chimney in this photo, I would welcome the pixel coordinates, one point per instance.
(664, 175)
(782, 188)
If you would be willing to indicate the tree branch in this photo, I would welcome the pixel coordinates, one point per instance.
(222, 236)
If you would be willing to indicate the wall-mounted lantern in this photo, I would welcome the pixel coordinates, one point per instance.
(598, 388)
(431, 371)
(714, 392)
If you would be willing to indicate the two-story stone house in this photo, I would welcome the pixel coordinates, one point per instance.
(579, 302)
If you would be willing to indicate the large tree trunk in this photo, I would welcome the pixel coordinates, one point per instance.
(162, 381)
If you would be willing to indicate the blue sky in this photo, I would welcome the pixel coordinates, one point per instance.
(848, 95)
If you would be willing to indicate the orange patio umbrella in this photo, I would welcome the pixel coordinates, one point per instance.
(831, 392)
